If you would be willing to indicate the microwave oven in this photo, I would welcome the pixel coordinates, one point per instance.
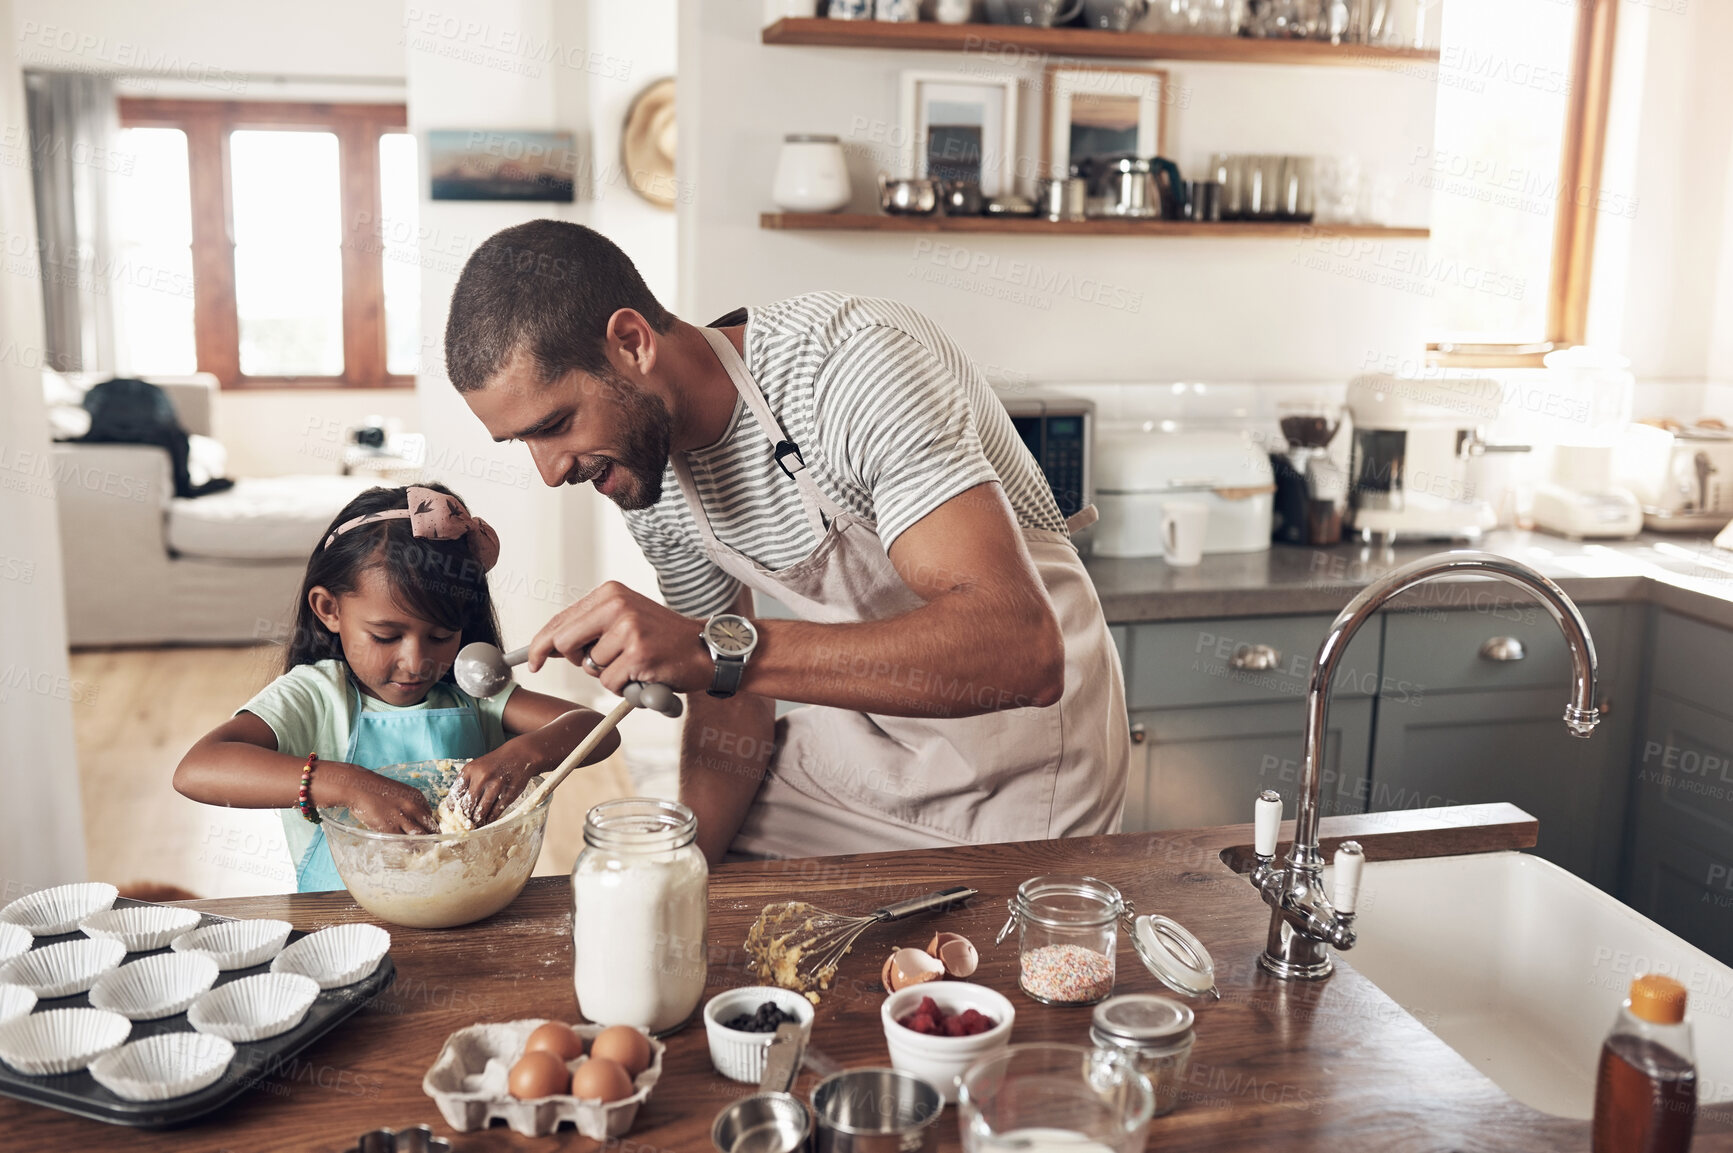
(1060, 434)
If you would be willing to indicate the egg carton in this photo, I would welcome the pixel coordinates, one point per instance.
(468, 1083)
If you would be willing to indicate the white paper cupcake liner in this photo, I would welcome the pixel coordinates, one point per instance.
(340, 955)
(236, 944)
(15, 1001)
(468, 1083)
(140, 928)
(254, 1008)
(48, 912)
(153, 987)
(63, 969)
(164, 1066)
(60, 1040)
(14, 940)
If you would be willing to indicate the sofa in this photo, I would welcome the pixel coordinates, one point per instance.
(144, 567)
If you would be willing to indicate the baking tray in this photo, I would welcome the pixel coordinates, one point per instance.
(255, 1061)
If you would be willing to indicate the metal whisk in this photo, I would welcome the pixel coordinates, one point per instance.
(799, 946)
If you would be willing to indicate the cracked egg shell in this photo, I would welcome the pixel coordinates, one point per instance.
(907, 967)
(955, 952)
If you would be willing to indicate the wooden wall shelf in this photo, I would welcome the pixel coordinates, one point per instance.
(995, 39)
(1036, 226)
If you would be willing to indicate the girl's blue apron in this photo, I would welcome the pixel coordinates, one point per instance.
(380, 738)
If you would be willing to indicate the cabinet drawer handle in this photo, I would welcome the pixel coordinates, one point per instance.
(1138, 733)
(1255, 658)
(1503, 649)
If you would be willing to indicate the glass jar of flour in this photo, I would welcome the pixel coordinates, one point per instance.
(639, 915)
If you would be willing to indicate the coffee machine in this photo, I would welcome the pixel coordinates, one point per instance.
(1310, 485)
(1413, 439)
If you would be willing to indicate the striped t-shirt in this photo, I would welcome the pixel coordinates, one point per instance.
(891, 418)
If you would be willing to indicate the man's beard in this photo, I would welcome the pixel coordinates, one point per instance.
(644, 455)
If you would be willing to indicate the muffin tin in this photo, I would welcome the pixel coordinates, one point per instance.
(468, 1083)
(79, 1092)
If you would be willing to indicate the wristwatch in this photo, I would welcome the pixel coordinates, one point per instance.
(730, 639)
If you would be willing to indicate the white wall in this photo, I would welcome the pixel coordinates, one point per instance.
(44, 842)
(1238, 309)
(230, 47)
(556, 544)
(1663, 278)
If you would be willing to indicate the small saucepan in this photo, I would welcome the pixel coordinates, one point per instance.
(908, 197)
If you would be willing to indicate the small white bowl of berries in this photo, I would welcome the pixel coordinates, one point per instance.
(937, 1029)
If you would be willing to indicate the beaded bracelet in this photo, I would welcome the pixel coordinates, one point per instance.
(305, 804)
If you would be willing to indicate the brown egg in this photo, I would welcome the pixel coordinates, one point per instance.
(600, 1079)
(538, 1074)
(624, 1046)
(557, 1039)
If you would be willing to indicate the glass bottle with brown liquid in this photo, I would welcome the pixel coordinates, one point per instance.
(1646, 1089)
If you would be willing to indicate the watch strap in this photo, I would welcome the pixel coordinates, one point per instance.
(726, 681)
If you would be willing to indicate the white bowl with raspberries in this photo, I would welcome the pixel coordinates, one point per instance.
(940, 1057)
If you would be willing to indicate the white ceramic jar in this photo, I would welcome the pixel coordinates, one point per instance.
(639, 915)
(810, 175)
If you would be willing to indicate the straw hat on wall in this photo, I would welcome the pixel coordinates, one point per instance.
(647, 144)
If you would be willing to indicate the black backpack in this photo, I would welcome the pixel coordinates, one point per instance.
(124, 411)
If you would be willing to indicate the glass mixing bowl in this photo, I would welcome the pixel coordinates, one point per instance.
(436, 880)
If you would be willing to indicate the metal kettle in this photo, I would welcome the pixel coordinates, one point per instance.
(1122, 184)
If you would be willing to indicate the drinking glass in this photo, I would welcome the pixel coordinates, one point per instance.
(1296, 194)
(1037, 1097)
(1263, 187)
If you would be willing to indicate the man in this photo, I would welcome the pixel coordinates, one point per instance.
(844, 457)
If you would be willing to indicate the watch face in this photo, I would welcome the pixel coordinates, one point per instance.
(733, 636)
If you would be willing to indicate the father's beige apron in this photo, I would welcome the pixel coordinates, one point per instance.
(849, 782)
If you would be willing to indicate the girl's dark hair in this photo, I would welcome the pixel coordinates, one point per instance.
(441, 581)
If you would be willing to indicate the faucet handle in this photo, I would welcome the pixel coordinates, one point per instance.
(1348, 861)
(1266, 823)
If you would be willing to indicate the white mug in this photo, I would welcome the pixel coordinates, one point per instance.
(1182, 528)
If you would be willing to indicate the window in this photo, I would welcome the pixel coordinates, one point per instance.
(1515, 175)
(295, 227)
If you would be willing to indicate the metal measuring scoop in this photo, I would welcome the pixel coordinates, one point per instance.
(481, 670)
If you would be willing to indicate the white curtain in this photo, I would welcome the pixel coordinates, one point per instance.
(73, 126)
(44, 839)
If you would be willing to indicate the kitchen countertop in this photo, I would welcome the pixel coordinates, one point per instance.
(1684, 573)
(1331, 1065)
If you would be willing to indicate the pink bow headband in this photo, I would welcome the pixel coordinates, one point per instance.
(434, 515)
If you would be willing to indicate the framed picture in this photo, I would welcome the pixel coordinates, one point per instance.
(1100, 111)
(960, 127)
(489, 164)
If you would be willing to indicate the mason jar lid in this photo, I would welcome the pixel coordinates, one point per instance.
(1176, 957)
(809, 138)
(1143, 1021)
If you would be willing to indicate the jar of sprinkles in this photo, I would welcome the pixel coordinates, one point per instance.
(1067, 934)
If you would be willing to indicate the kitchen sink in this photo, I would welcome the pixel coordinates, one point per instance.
(1520, 967)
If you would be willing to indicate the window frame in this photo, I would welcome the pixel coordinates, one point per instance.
(1573, 249)
(216, 323)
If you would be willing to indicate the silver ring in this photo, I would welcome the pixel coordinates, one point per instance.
(591, 665)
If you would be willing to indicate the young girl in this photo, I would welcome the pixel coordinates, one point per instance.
(394, 589)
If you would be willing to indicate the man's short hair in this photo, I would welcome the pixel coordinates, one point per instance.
(545, 288)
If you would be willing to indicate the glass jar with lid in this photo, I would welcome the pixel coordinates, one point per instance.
(1067, 935)
(639, 915)
(1154, 1034)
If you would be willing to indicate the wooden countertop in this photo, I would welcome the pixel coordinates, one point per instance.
(1334, 1065)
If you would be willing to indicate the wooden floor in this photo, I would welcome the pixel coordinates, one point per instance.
(152, 704)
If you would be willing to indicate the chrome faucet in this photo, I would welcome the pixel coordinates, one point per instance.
(1304, 924)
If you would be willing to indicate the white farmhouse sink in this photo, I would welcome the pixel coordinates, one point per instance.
(1520, 967)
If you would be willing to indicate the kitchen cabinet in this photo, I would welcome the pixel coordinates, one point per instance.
(1202, 767)
(1470, 710)
(1468, 748)
(1218, 714)
(1680, 865)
